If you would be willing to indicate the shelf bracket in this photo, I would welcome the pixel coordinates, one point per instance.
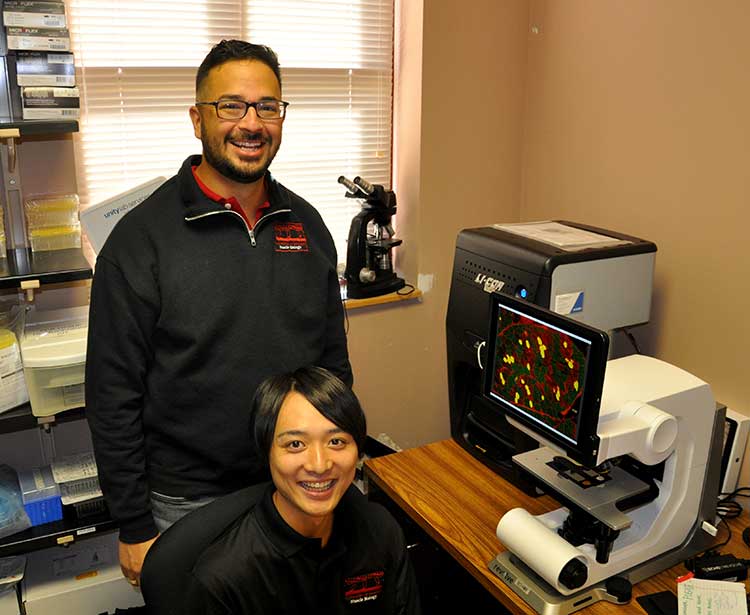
(29, 286)
(11, 134)
(10, 154)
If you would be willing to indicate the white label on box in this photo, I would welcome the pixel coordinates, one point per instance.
(32, 43)
(34, 20)
(41, 80)
(569, 303)
(13, 390)
(60, 58)
(51, 114)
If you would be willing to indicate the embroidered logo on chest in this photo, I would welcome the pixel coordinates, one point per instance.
(364, 587)
(290, 237)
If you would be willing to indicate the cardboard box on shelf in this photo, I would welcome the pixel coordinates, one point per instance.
(48, 103)
(45, 68)
(99, 220)
(38, 39)
(33, 14)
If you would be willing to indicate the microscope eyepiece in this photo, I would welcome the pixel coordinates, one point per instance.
(366, 186)
(348, 184)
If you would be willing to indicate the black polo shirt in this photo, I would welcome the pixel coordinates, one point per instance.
(262, 566)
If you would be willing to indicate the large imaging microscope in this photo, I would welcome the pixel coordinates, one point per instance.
(631, 448)
(600, 277)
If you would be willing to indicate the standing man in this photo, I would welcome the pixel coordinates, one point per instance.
(219, 279)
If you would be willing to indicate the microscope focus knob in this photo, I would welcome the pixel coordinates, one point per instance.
(366, 275)
(620, 588)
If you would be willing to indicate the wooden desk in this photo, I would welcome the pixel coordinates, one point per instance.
(458, 501)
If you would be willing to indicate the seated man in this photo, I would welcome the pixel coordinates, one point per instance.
(311, 544)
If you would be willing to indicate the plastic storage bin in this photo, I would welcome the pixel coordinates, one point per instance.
(53, 348)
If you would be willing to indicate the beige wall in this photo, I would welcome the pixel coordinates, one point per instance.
(459, 102)
(628, 115)
(638, 120)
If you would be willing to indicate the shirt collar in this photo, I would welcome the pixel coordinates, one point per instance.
(231, 201)
(290, 542)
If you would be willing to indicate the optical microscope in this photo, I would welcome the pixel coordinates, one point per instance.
(369, 265)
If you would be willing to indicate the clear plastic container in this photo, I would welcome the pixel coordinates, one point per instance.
(55, 238)
(51, 210)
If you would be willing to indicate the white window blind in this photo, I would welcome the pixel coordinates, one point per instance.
(136, 63)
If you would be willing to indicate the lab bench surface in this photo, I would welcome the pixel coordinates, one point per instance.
(457, 502)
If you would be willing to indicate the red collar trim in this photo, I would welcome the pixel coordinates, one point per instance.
(229, 201)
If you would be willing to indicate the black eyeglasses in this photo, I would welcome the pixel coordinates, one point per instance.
(231, 109)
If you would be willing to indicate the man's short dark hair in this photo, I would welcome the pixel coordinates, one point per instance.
(228, 50)
(327, 394)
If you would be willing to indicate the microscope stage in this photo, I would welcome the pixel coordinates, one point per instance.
(599, 501)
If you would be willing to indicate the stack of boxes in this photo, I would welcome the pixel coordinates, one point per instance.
(36, 44)
(52, 222)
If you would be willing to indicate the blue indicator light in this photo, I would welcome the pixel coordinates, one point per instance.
(522, 292)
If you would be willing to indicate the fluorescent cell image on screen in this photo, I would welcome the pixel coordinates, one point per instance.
(539, 370)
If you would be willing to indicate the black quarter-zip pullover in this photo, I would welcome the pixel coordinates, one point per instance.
(190, 310)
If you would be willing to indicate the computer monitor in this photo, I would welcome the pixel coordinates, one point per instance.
(546, 371)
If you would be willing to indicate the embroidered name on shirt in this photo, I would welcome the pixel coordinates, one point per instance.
(364, 587)
(290, 237)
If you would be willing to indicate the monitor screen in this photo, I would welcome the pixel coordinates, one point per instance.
(547, 372)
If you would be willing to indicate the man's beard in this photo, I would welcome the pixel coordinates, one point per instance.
(223, 165)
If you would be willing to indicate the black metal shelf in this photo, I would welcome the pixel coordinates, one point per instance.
(39, 127)
(21, 418)
(68, 529)
(48, 267)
